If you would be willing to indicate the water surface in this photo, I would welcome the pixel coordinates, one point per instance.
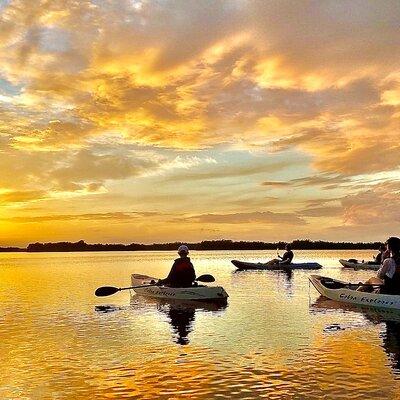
(276, 338)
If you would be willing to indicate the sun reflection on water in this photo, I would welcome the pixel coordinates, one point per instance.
(275, 338)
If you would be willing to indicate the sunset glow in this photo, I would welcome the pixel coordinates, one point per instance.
(154, 121)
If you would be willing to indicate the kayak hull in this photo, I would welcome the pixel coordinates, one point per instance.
(243, 265)
(359, 265)
(193, 293)
(375, 314)
(340, 291)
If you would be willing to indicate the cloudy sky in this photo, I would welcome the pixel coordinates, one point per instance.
(153, 121)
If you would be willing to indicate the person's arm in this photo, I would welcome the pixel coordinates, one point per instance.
(286, 259)
(193, 273)
(170, 276)
(388, 268)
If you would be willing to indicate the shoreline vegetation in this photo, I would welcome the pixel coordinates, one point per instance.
(304, 244)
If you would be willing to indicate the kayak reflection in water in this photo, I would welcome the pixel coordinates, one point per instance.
(182, 273)
(286, 259)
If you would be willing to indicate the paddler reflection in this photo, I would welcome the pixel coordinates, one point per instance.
(288, 284)
(391, 343)
(181, 316)
(181, 320)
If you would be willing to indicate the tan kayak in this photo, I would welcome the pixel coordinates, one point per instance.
(199, 292)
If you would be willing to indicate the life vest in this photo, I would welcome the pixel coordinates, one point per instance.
(392, 285)
(182, 274)
(182, 265)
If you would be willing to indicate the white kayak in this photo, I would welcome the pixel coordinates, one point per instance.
(243, 265)
(359, 265)
(374, 314)
(199, 292)
(344, 292)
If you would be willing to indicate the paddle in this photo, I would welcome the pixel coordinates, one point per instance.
(109, 290)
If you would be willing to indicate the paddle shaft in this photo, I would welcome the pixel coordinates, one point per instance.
(109, 290)
(155, 284)
(136, 287)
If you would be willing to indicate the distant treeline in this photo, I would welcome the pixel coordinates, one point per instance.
(204, 245)
(10, 249)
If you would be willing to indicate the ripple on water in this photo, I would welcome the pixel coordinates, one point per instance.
(272, 340)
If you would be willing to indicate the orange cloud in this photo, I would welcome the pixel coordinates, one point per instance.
(103, 97)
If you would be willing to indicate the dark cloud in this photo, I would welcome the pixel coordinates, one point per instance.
(326, 211)
(110, 216)
(226, 170)
(266, 217)
(22, 196)
(380, 204)
(276, 184)
(86, 165)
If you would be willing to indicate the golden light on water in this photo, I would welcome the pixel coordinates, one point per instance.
(272, 339)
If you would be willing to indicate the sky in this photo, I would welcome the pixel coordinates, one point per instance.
(184, 120)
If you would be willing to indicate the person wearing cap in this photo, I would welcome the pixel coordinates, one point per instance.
(182, 273)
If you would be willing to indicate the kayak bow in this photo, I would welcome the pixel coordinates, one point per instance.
(344, 292)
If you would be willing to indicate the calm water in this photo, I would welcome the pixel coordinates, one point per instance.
(274, 339)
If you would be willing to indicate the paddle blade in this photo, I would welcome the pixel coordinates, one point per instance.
(205, 278)
(105, 291)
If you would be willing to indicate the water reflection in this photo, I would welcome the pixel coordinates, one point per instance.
(288, 285)
(283, 277)
(181, 320)
(391, 343)
(371, 314)
(180, 314)
(54, 345)
(389, 321)
(107, 308)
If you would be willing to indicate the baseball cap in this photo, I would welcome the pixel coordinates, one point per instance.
(183, 249)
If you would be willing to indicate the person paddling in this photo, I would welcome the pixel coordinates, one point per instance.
(388, 276)
(182, 273)
(287, 255)
(286, 259)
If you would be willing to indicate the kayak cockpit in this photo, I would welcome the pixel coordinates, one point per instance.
(330, 283)
(145, 286)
